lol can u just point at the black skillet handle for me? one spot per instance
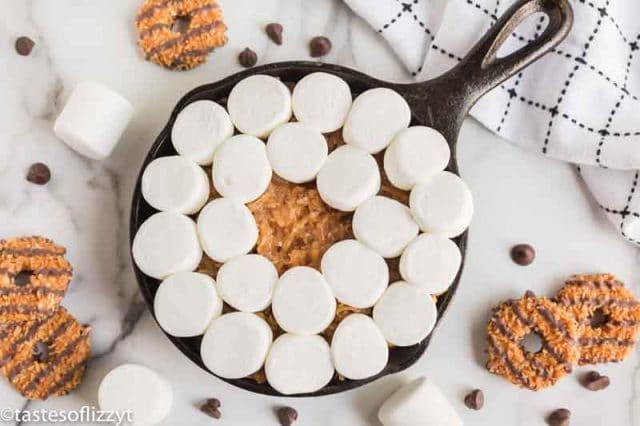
(483, 69)
(446, 100)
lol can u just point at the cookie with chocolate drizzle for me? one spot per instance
(45, 357)
(512, 321)
(34, 276)
(609, 315)
(180, 34)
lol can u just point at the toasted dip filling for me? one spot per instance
(296, 226)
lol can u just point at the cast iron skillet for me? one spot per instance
(441, 103)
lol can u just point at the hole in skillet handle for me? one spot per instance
(454, 96)
(530, 28)
(559, 16)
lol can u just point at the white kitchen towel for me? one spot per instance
(580, 103)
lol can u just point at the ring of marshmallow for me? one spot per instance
(166, 243)
(299, 364)
(226, 229)
(251, 337)
(354, 272)
(175, 183)
(303, 302)
(241, 169)
(357, 275)
(358, 348)
(384, 225)
(297, 151)
(199, 129)
(405, 314)
(186, 303)
(246, 282)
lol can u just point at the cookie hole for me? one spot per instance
(40, 351)
(181, 24)
(598, 319)
(23, 278)
(532, 342)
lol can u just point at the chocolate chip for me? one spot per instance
(211, 412)
(274, 31)
(595, 381)
(39, 173)
(523, 254)
(529, 294)
(474, 400)
(559, 417)
(287, 415)
(40, 351)
(319, 46)
(24, 46)
(247, 58)
(22, 278)
(211, 408)
(214, 402)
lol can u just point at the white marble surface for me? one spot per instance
(520, 197)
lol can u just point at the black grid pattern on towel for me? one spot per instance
(606, 131)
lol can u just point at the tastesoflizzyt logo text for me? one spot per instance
(86, 414)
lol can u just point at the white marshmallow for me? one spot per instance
(431, 262)
(322, 100)
(236, 345)
(226, 229)
(258, 104)
(415, 154)
(419, 402)
(376, 116)
(299, 364)
(175, 184)
(405, 314)
(347, 178)
(303, 302)
(246, 282)
(358, 348)
(357, 275)
(199, 129)
(137, 389)
(93, 120)
(186, 303)
(241, 169)
(442, 205)
(384, 225)
(296, 152)
(166, 243)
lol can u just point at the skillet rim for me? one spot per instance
(140, 210)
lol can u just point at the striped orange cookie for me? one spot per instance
(45, 357)
(180, 34)
(512, 321)
(608, 313)
(34, 276)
